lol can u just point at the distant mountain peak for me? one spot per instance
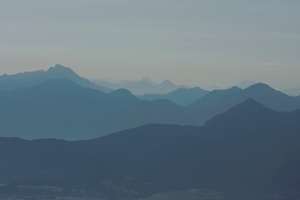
(248, 106)
(60, 69)
(259, 86)
(234, 88)
(59, 66)
(29, 79)
(167, 82)
(245, 111)
(249, 103)
(121, 91)
(148, 80)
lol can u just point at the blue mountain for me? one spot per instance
(248, 152)
(28, 79)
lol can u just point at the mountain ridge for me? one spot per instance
(252, 161)
(142, 87)
(29, 79)
(59, 108)
(180, 96)
(262, 93)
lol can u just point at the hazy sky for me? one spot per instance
(195, 42)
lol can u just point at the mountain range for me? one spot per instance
(60, 108)
(29, 79)
(180, 96)
(64, 137)
(219, 101)
(141, 87)
(248, 152)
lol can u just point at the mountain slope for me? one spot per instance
(180, 96)
(147, 112)
(262, 93)
(269, 97)
(28, 79)
(59, 108)
(212, 97)
(248, 152)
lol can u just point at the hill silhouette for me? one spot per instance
(248, 152)
(212, 97)
(204, 109)
(59, 108)
(147, 112)
(180, 96)
(28, 79)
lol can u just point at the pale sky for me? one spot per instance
(194, 42)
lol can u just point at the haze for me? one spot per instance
(190, 42)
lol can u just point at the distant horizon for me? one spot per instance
(196, 43)
(207, 87)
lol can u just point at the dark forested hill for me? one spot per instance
(248, 152)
